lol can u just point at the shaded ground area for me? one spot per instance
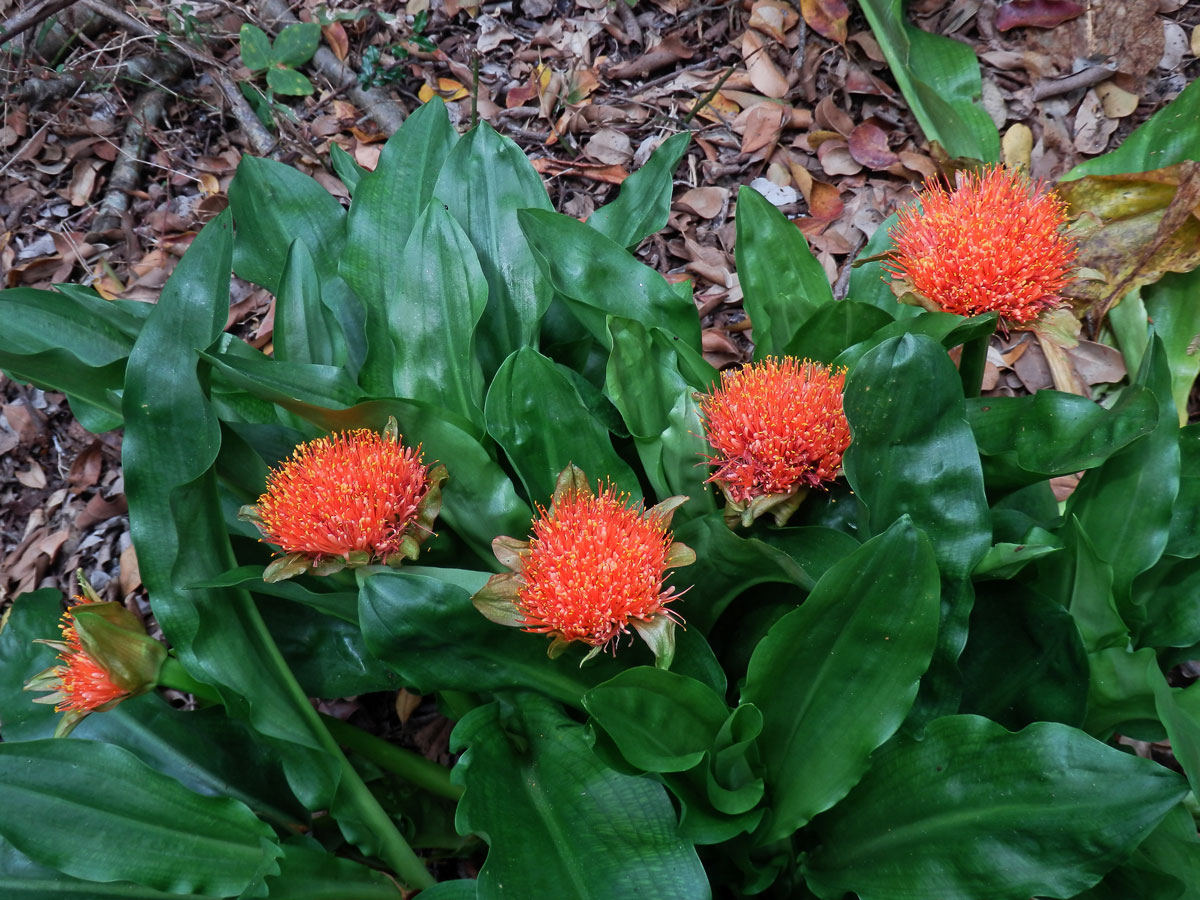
(122, 127)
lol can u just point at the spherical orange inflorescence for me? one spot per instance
(993, 244)
(776, 425)
(594, 565)
(353, 491)
(85, 685)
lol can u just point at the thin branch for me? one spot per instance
(23, 21)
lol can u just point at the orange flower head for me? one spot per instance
(348, 498)
(994, 243)
(594, 567)
(777, 426)
(85, 685)
(595, 564)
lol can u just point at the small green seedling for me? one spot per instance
(294, 46)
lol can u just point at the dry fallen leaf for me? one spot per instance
(1017, 146)
(610, 147)
(705, 202)
(764, 74)
(1035, 13)
(761, 126)
(868, 145)
(826, 17)
(33, 477)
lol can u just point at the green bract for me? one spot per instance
(913, 690)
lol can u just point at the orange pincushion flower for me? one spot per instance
(104, 656)
(594, 568)
(993, 244)
(347, 499)
(777, 426)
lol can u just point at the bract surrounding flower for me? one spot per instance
(594, 568)
(104, 657)
(778, 428)
(347, 500)
(993, 244)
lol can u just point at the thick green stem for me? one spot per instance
(971, 364)
(393, 848)
(412, 767)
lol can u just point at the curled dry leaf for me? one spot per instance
(835, 159)
(773, 18)
(761, 126)
(610, 147)
(826, 17)
(706, 202)
(1116, 103)
(828, 115)
(764, 74)
(868, 145)
(1035, 13)
(335, 36)
(1092, 127)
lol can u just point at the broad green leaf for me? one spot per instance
(726, 566)
(1184, 539)
(869, 280)
(171, 441)
(535, 413)
(255, 47)
(533, 784)
(460, 889)
(67, 804)
(302, 324)
(661, 721)
(431, 310)
(289, 82)
(1165, 866)
(1166, 138)
(659, 408)
(385, 207)
(912, 450)
(940, 80)
(833, 328)
(975, 811)
(1028, 439)
(1173, 304)
(296, 43)
(309, 872)
(485, 181)
(1125, 505)
(32, 615)
(782, 282)
(1180, 714)
(410, 620)
(273, 205)
(1024, 660)
(644, 202)
(1121, 694)
(1090, 601)
(866, 632)
(1168, 595)
(947, 328)
(284, 382)
(338, 604)
(348, 171)
(601, 277)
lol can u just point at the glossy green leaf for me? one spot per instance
(1179, 712)
(602, 278)
(460, 889)
(97, 812)
(535, 413)
(975, 811)
(339, 604)
(912, 450)
(273, 205)
(431, 309)
(1173, 305)
(1184, 537)
(1165, 866)
(833, 328)
(1090, 600)
(485, 181)
(866, 632)
(658, 407)
(618, 832)
(644, 202)
(348, 171)
(726, 566)
(32, 615)
(1121, 694)
(171, 441)
(1125, 505)
(1168, 593)
(285, 382)
(948, 329)
(940, 80)
(1024, 660)
(255, 47)
(1049, 433)
(302, 324)
(385, 207)
(410, 620)
(296, 43)
(782, 283)
(1166, 138)
(660, 720)
(289, 82)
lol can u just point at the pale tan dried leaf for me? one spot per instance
(1017, 146)
(705, 202)
(1115, 102)
(610, 147)
(1092, 127)
(760, 126)
(33, 477)
(764, 74)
